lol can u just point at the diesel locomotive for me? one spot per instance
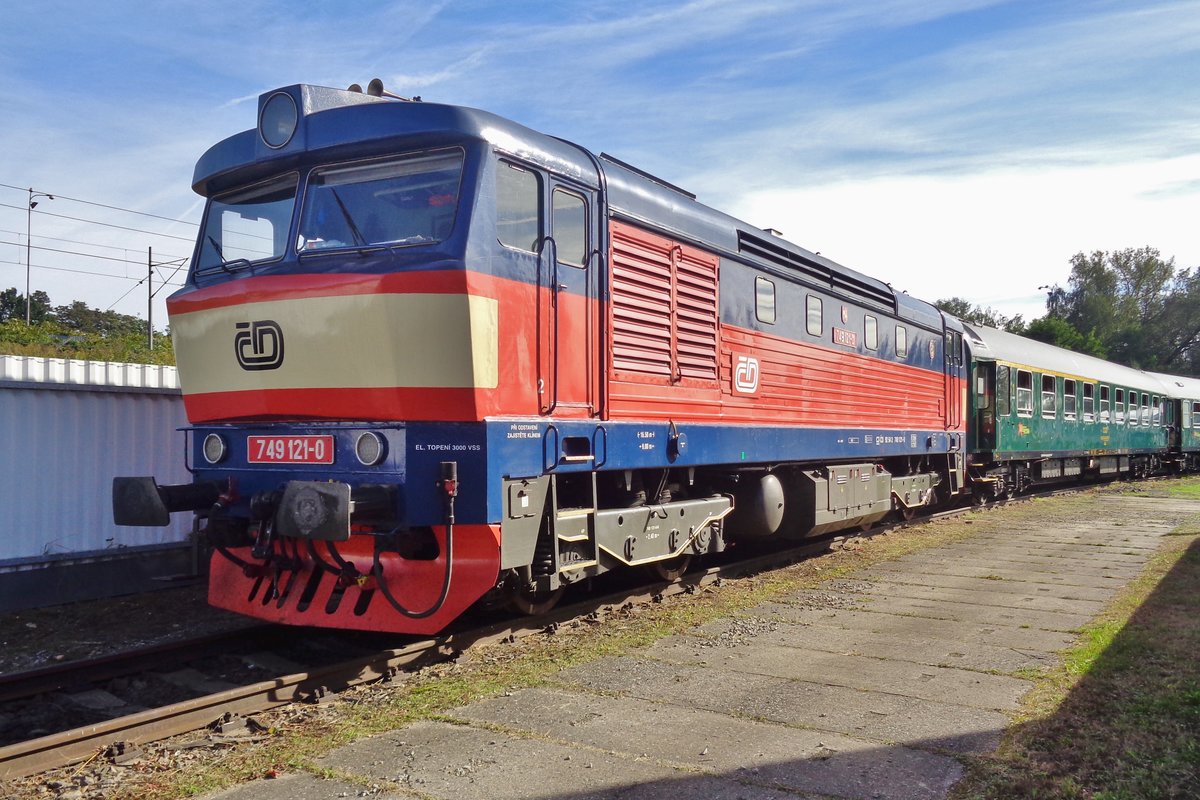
(431, 357)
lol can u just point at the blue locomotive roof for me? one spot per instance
(354, 125)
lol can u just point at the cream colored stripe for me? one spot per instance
(354, 341)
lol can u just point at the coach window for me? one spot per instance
(1070, 399)
(518, 207)
(871, 332)
(1089, 402)
(1049, 397)
(1157, 411)
(1024, 393)
(1119, 408)
(568, 221)
(1133, 408)
(1196, 415)
(1104, 409)
(813, 323)
(764, 300)
(1002, 391)
(1145, 409)
(901, 341)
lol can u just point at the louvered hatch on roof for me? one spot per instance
(664, 309)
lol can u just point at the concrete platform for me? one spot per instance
(868, 688)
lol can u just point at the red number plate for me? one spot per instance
(289, 449)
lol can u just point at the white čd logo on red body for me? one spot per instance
(745, 375)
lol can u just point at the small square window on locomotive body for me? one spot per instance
(901, 341)
(764, 300)
(871, 332)
(812, 316)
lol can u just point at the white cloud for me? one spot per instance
(991, 237)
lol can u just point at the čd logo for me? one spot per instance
(259, 345)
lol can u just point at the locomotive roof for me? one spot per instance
(992, 344)
(375, 124)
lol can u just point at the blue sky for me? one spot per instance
(945, 146)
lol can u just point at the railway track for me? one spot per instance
(314, 678)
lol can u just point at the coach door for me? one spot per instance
(569, 349)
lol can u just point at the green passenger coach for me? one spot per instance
(1184, 401)
(1044, 414)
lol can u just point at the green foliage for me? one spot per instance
(964, 310)
(1056, 331)
(77, 331)
(1130, 305)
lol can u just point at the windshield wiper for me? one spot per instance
(359, 239)
(230, 266)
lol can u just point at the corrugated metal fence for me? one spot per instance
(66, 428)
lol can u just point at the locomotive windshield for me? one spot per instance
(398, 201)
(248, 225)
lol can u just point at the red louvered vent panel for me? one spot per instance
(664, 309)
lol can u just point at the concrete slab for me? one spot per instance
(1017, 551)
(300, 787)
(991, 582)
(942, 684)
(881, 622)
(1018, 561)
(918, 647)
(457, 762)
(755, 752)
(1053, 576)
(986, 594)
(972, 612)
(870, 715)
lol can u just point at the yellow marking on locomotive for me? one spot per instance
(354, 341)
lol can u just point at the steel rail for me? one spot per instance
(80, 744)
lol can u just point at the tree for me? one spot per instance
(1140, 309)
(12, 306)
(964, 310)
(1057, 331)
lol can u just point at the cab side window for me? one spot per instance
(518, 207)
(568, 221)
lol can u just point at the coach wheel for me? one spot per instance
(671, 569)
(532, 602)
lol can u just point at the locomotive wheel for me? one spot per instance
(672, 569)
(532, 602)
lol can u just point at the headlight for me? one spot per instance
(369, 448)
(278, 121)
(215, 449)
